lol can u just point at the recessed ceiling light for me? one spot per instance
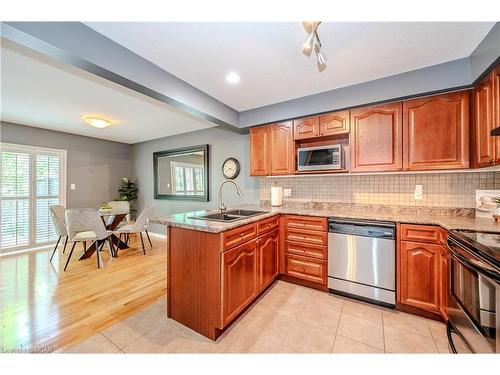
(233, 77)
(96, 122)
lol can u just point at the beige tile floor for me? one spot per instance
(286, 319)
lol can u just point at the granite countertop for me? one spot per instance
(448, 222)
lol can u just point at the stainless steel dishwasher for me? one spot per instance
(362, 260)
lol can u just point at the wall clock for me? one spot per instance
(231, 168)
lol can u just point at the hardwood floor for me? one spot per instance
(43, 306)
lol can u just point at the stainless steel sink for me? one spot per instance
(228, 216)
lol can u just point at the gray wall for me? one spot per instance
(223, 144)
(94, 165)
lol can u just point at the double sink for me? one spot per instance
(229, 216)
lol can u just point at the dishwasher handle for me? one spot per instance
(362, 229)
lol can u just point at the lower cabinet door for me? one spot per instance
(313, 270)
(419, 275)
(239, 276)
(268, 258)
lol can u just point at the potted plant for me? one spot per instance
(127, 191)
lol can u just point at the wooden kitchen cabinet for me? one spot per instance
(436, 132)
(268, 258)
(376, 138)
(303, 249)
(239, 274)
(307, 127)
(282, 153)
(419, 275)
(496, 109)
(306, 268)
(483, 144)
(238, 235)
(260, 149)
(305, 222)
(334, 123)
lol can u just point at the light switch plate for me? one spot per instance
(418, 192)
(72, 186)
(287, 193)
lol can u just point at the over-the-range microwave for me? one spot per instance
(320, 158)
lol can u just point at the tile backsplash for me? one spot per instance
(439, 189)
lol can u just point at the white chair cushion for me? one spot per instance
(127, 228)
(85, 236)
(88, 236)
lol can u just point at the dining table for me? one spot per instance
(111, 219)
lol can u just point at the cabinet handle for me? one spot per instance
(242, 234)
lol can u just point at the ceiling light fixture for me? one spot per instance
(313, 43)
(96, 122)
(233, 77)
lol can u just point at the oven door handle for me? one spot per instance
(476, 267)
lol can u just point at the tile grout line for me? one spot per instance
(107, 338)
(337, 329)
(383, 331)
(433, 338)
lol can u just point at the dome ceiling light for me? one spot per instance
(313, 43)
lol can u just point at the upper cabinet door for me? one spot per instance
(483, 144)
(260, 148)
(496, 109)
(282, 149)
(376, 138)
(307, 127)
(436, 132)
(334, 123)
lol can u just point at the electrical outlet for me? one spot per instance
(418, 195)
(72, 186)
(287, 193)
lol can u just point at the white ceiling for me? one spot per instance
(269, 60)
(41, 92)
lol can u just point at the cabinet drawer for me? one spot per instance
(313, 251)
(268, 225)
(306, 236)
(306, 222)
(423, 233)
(313, 270)
(239, 235)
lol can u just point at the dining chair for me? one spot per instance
(121, 206)
(139, 226)
(59, 223)
(85, 224)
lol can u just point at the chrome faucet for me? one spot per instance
(222, 206)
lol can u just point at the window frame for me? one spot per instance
(183, 165)
(33, 151)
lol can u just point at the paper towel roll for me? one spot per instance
(276, 195)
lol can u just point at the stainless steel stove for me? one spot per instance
(474, 291)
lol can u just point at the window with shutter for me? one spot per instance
(32, 180)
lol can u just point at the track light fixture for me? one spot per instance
(313, 43)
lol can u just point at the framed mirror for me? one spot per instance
(181, 173)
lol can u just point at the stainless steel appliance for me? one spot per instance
(320, 158)
(362, 260)
(474, 292)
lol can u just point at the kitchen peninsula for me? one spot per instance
(217, 269)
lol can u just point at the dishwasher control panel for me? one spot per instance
(362, 228)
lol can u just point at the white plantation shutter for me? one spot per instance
(31, 181)
(47, 194)
(15, 200)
